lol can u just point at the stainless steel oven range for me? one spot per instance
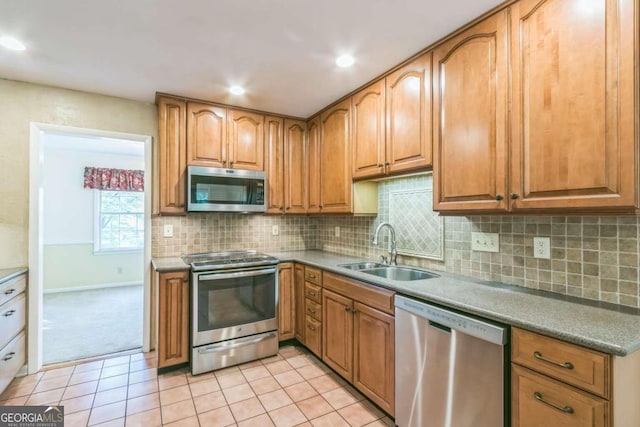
(234, 295)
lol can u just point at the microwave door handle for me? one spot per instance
(237, 274)
(225, 347)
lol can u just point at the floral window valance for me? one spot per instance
(113, 179)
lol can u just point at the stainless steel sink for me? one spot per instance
(400, 273)
(361, 265)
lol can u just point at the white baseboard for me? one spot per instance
(91, 287)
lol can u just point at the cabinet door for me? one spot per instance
(313, 161)
(408, 97)
(246, 142)
(172, 155)
(173, 318)
(206, 135)
(335, 160)
(470, 150)
(538, 401)
(286, 302)
(295, 177)
(300, 323)
(275, 164)
(573, 104)
(368, 137)
(374, 356)
(337, 334)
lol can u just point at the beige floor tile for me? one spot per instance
(84, 376)
(185, 422)
(106, 413)
(57, 372)
(144, 375)
(339, 398)
(287, 416)
(140, 389)
(291, 351)
(78, 419)
(140, 365)
(226, 371)
(310, 371)
(114, 361)
(279, 367)
(52, 396)
(299, 361)
(176, 394)
(110, 396)
(288, 378)
(300, 391)
(246, 409)
(238, 393)
(208, 402)
(265, 385)
(51, 384)
(113, 382)
(16, 401)
(250, 365)
(112, 371)
(89, 366)
(231, 379)
(382, 422)
(141, 356)
(260, 421)
(18, 390)
(199, 377)
(178, 411)
(165, 382)
(271, 359)
(204, 387)
(119, 422)
(217, 418)
(324, 383)
(77, 404)
(80, 390)
(332, 419)
(151, 418)
(358, 414)
(27, 379)
(143, 403)
(275, 399)
(314, 407)
(256, 373)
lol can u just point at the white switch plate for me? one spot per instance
(542, 247)
(168, 230)
(336, 232)
(275, 230)
(485, 242)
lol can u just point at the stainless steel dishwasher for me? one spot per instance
(450, 368)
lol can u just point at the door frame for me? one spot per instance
(35, 289)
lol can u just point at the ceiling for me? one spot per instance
(282, 51)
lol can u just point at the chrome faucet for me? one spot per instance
(394, 252)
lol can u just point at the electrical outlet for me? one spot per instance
(168, 230)
(542, 247)
(336, 232)
(275, 230)
(485, 242)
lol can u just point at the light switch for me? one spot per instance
(275, 230)
(485, 242)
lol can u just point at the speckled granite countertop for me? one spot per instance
(7, 274)
(605, 327)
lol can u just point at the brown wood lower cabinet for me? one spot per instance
(173, 318)
(286, 302)
(300, 321)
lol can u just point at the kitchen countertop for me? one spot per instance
(605, 327)
(7, 274)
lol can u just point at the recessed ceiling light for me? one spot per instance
(345, 61)
(11, 43)
(236, 90)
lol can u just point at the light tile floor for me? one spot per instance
(292, 388)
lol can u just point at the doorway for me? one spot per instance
(89, 244)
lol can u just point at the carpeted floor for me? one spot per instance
(84, 324)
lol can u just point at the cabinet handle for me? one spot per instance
(380, 165)
(321, 206)
(311, 311)
(313, 294)
(499, 197)
(313, 276)
(513, 196)
(224, 162)
(565, 409)
(10, 291)
(231, 163)
(9, 313)
(387, 163)
(313, 328)
(9, 356)
(185, 280)
(565, 365)
(347, 309)
(288, 207)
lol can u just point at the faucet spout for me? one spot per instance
(392, 234)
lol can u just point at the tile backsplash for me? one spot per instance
(594, 257)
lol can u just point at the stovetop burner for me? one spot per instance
(224, 260)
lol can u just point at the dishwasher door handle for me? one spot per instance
(439, 326)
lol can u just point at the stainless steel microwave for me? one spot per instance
(225, 190)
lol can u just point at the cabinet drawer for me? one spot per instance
(313, 292)
(578, 366)
(12, 318)
(313, 335)
(313, 309)
(313, 275)
(12, 358)
(379, 298)
(12, 288)
(540, 401)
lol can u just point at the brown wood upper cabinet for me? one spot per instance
(313, 165)
(172, 144)
(392, 122)
(246, 140)
(274, 142)
(335, 160)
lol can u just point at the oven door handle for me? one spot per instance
(237, 274)
(224, 346)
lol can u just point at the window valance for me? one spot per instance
(113, 179)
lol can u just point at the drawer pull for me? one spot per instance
(565, 365)
(9, 291)
(311, 311)
(9, 313)
(565, 409)
(313, 294)
(313, 328)
(9, 356)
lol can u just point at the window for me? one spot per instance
(119, 221)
